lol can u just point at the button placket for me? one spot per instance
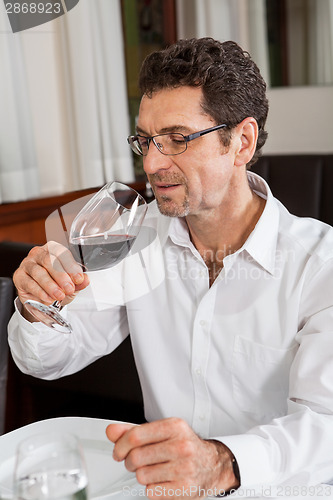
(200, 355)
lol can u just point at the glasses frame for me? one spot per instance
(187, 138)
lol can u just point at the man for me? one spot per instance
(231, 319)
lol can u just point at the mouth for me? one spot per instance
(164, 187)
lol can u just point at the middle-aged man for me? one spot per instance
(229, 308)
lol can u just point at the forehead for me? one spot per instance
(171, 107)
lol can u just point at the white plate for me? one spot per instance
(106, 476)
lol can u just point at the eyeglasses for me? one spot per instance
(171, 143)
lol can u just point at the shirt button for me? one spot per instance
(202, 417)
(203, 322)
(198, 371)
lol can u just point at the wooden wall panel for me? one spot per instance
(25, 221)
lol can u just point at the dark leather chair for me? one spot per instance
(303, 183)
(11, 255)
(6, 301)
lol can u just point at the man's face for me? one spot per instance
(197, 180)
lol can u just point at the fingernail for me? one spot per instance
(78, 278)
(69, 288)
(58, 294)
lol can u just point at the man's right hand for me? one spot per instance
(49, 273)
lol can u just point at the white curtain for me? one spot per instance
(18, 165)
(310, 42)
(64, 112)
(320, 41)
(243, 21)
(96, 97)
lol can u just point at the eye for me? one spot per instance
(143, 141)
(176, 138)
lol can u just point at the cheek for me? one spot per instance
(215, 182)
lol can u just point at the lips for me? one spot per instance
(164, 186)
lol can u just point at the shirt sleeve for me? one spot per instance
(297, 448)
(45, 353)
(294, 450)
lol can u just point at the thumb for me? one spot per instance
(78, 287)
(83, 284)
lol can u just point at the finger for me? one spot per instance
(28, 288)
(81, 286)
(153, 474)
(47, 271)
(36, 278)
(168, 451)
(62, 261)
(149, 433)
(69, 298)
(115, 431)
(167, 461)
(126, 439)
(34, 282)
(67, 272)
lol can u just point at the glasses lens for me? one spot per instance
(133, 141)
(170, 144)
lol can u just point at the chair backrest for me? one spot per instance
(303, 183)
(6, 304)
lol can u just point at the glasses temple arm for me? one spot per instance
(195, 135)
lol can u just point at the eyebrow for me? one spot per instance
(165, 130)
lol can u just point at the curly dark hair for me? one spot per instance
(232, 85)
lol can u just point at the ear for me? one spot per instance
(247, 134)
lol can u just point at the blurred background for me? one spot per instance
(68, 88)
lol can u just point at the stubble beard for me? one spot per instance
(166, 205)
(169, 208)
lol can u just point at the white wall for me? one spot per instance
(300, 120)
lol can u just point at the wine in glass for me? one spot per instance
(101, 235)
(50, 466)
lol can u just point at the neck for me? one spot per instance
(223, 231)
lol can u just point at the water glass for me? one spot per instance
(50, 467)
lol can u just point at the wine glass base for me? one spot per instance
(48, 315)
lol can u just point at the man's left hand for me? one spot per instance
(171, 460)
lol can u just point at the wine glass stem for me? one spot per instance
(56, 304)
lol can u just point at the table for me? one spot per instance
(108, 479)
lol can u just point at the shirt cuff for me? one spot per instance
(25, 340)
(254, 459)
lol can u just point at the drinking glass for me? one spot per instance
(101, 235)
(50, 467)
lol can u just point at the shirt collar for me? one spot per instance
(261, 244)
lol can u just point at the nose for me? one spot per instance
(155, 160)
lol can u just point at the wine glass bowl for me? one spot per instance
(104, 231)
(101, 235)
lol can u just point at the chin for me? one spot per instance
(171, 209)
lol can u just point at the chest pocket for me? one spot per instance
(260, 377)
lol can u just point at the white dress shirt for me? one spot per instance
(248, 360)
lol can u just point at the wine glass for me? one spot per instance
(101, 235)
(50, 466)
